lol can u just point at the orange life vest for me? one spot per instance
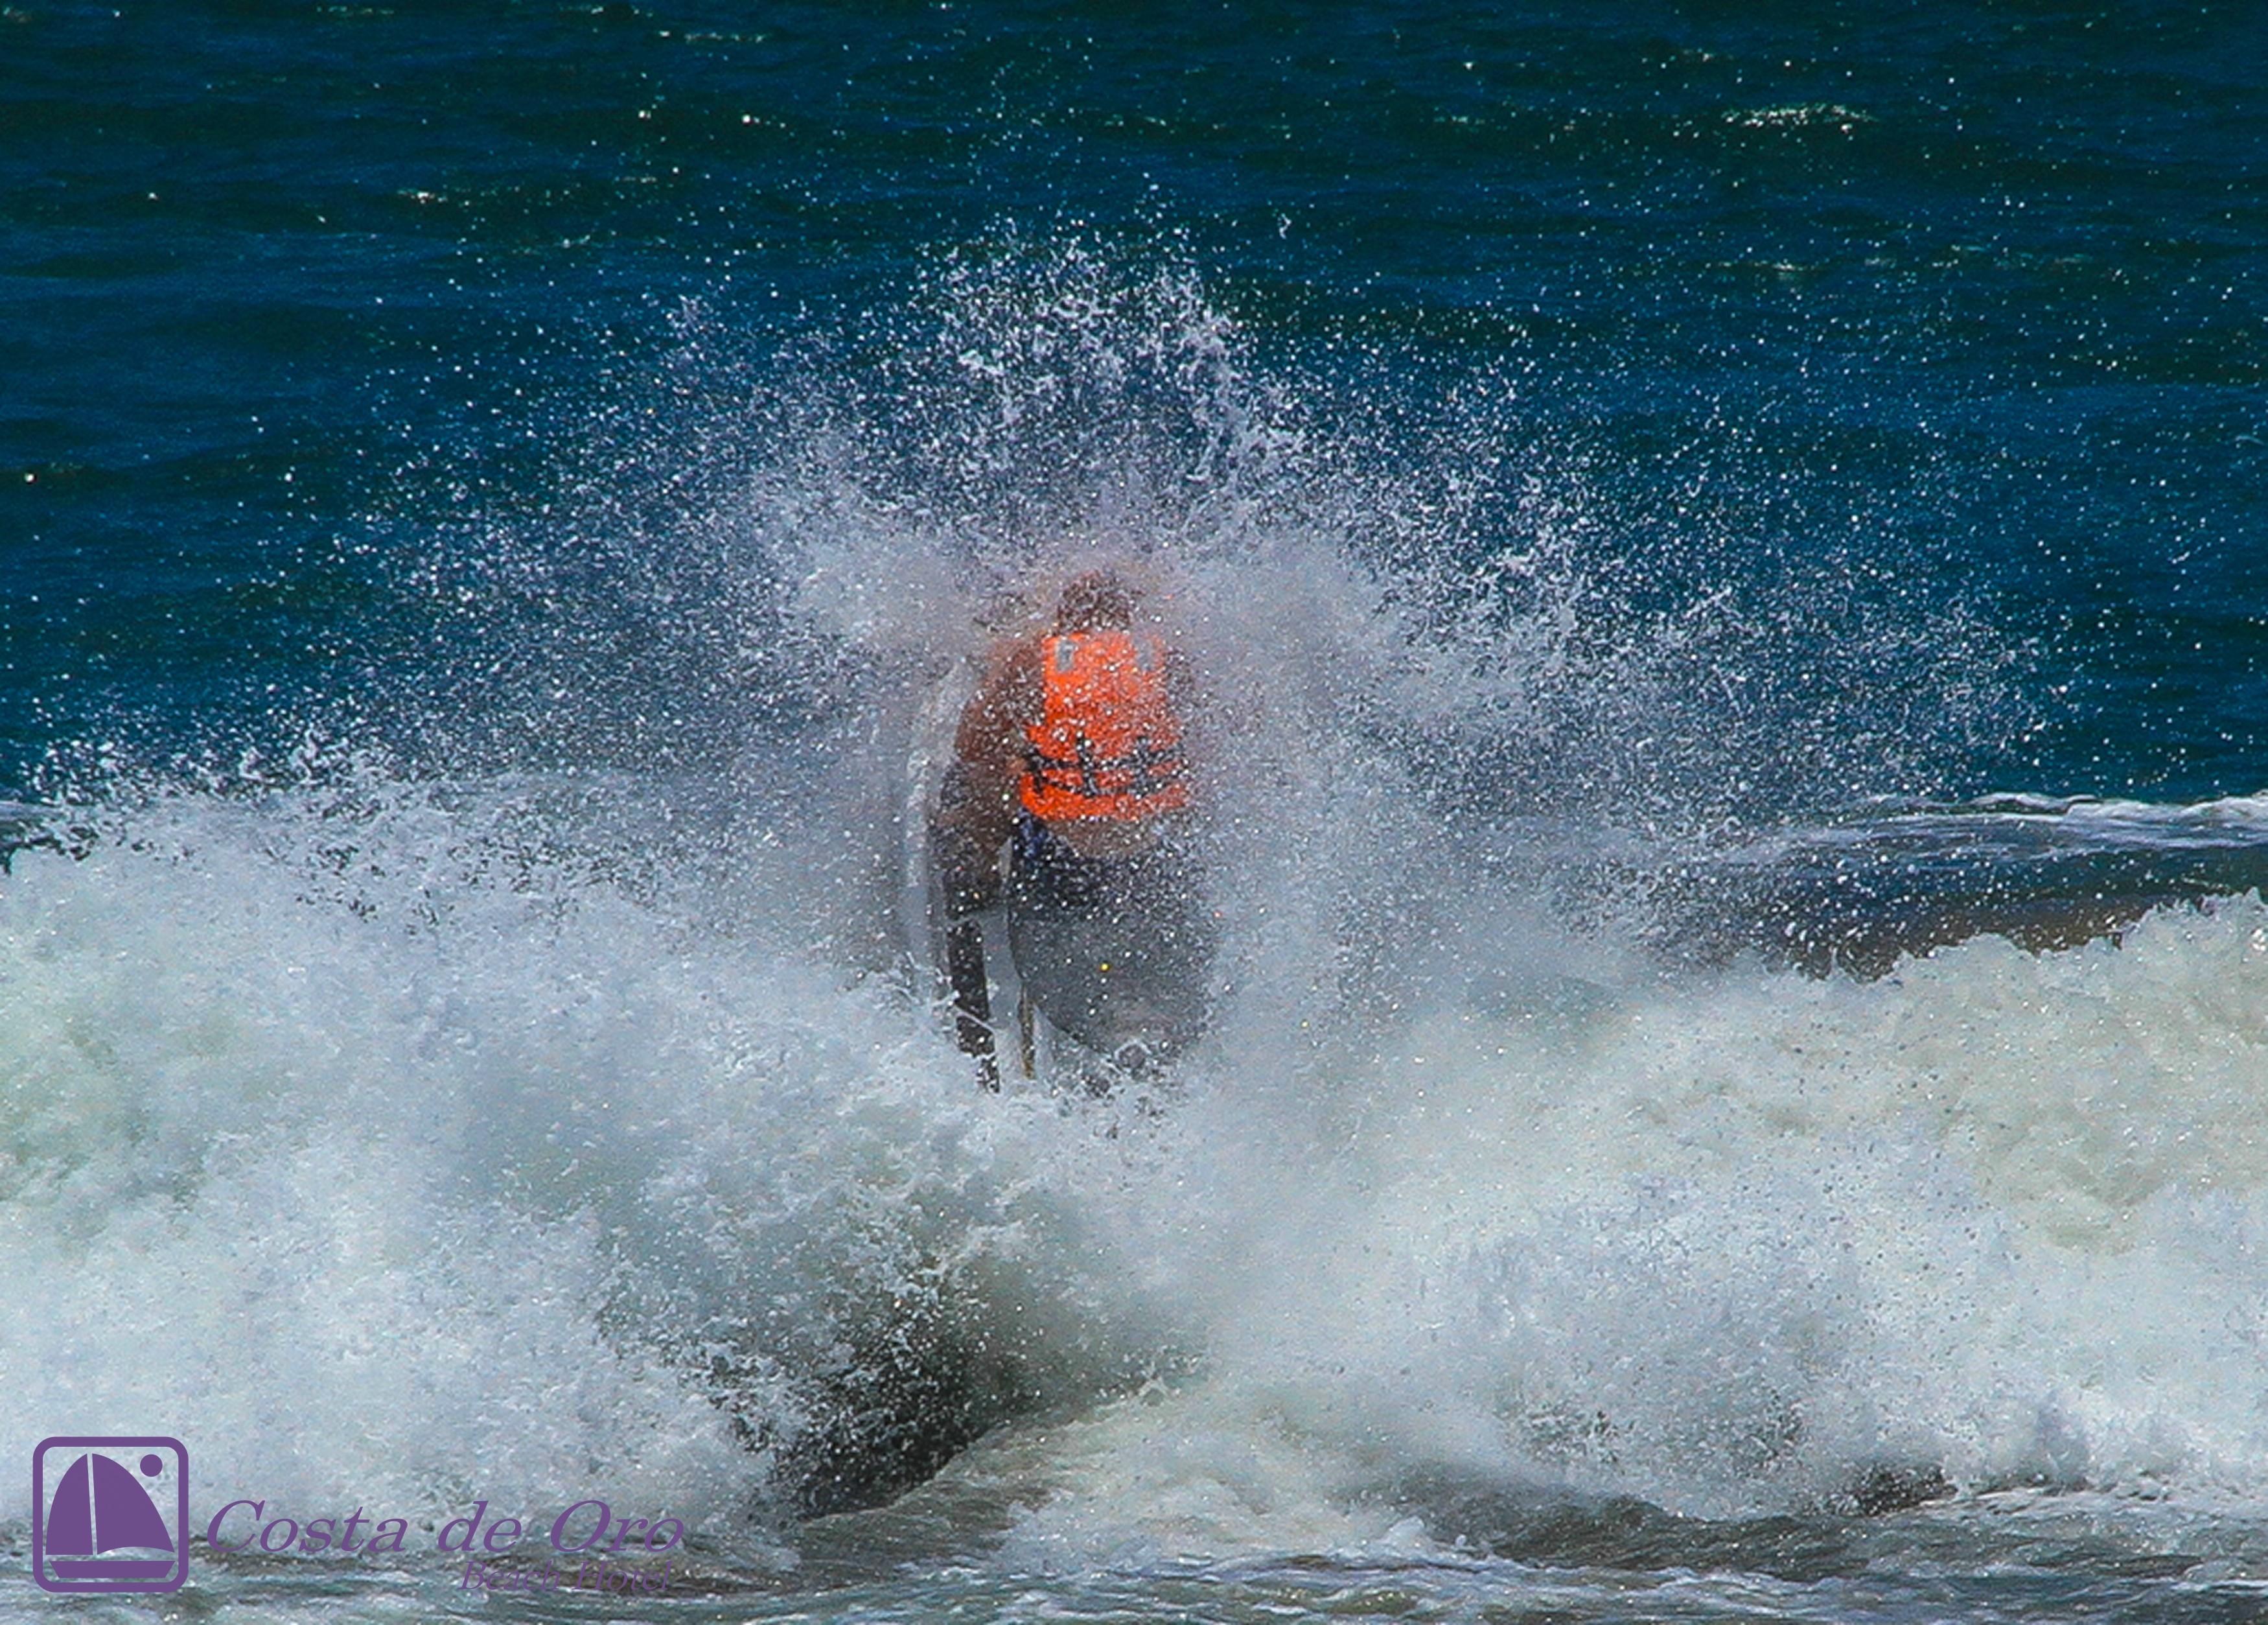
(1107, 744)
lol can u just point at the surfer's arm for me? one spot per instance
(976, 800)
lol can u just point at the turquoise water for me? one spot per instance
(1724, 545)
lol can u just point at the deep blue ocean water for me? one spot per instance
(1730, 542)
(1963, 310)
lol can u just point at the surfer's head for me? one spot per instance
(1100, 598)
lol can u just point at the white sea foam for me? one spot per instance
(383, 1181)
(393, 1204)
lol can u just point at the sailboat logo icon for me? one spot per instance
(101, 1510)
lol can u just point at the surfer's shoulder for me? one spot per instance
(1006, 693)
(1011, 672)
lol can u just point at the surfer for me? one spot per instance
(1069, 753)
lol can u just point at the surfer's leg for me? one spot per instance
(972, 997)
(964, 853)
(964, 843)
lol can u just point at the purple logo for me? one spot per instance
(110, 1514)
